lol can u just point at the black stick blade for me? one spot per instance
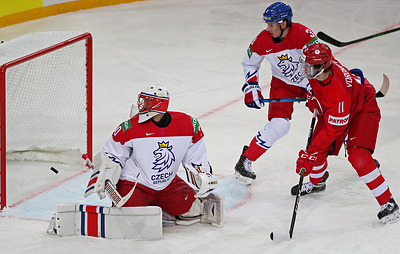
(323, 36)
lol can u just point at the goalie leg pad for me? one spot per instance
(213, 210)
(139, 223)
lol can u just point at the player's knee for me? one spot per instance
(278, 127)
(361, 160)
(195, 210)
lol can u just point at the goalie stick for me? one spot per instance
(323, 36)
(110, 190)
(284, 237)
(381, 93)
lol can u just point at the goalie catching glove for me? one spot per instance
(204, 181)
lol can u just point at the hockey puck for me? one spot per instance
(54, 170)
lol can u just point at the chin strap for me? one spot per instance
(279, 39)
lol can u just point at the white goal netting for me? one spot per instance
(46, 93)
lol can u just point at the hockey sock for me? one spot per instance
(254, 151)
(317, 173)
(364, 164)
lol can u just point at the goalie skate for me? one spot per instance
(309, 187)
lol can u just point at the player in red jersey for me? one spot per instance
(346, 106)
(152, 145)
(281, 44)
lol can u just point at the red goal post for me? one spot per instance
(45, 96)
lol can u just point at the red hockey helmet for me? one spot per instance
(315, 59)
(152, 101)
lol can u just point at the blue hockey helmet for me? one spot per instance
(277, 12)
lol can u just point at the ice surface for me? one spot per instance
(194, 48)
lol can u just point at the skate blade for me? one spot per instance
(245, 180)
(391, 218)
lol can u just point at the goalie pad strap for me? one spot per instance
(213, 210)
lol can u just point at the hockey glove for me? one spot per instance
(252, 95)
(313, 103)
(305, 161)
(204, 181)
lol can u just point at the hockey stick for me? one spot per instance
(323, 36)
(283, 100)
(284, 237)
(384, 88)
(381, 93)
(110, 190)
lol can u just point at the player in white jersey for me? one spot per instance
(154, 143)
(281, 44)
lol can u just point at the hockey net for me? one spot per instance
(45, 98)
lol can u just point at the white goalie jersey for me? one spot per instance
(156, 153)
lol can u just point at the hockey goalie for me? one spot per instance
(139, 163)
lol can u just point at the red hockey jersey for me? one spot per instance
(341, 97)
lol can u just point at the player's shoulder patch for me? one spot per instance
(196, 124)
(313, 41)
(126, 125)
(249, 51)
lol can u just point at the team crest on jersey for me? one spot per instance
(164, 157)
(288, 65)
(289, 68)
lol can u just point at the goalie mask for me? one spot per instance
(315, 59)
(152, 101)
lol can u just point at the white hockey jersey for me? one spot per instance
(157, 152)
(283, 56)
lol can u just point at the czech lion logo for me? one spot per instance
(287, 65)
(164, 157)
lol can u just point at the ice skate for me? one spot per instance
(389, 212)
(243, 169)
(309, 187)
